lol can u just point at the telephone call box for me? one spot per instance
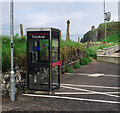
(43, 59)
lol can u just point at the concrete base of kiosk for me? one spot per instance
(41, 92)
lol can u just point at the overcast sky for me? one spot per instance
(55, 14)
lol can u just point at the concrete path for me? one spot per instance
(93, 87)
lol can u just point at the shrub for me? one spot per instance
(92, 53)
(76, 65)
(87, 53)
(5, 60)
(84, 60)
(90, 60)
(19, 52)
(5, 53)
(68, 69)
(67, 50)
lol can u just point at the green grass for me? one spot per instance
(65, 50)
(76, 65)
(70, 48)
(113, 38)
(92, 51)
(108, 24)
(70, 44)
(5, 53)
(20, 51)
(85, 60)
(68, 69)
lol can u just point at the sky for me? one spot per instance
(82, 16)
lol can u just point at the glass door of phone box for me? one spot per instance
(43, 59)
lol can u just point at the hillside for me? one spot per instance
(69, 52)
(113, 32)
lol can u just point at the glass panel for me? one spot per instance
(54, 48)
(55, 76)
(33, 54)
(55, 36)
(39, 78)
(38, 50)
(44, 50)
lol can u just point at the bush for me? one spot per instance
(85, 61)
(19, 52)
(90, 60)
(76, 65)
(87, 53)
(66, 50)
(5, 53)
(92, 53)
(5, 60)
(68, 69)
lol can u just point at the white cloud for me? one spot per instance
(81, 16)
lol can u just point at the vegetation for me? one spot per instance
(68, 69)
(70, 48)
(109, 24)
(66, 49)
(19, 52)
(76, 65)
(112, 38)
(91, 52)
(85, 61)
(113, 33)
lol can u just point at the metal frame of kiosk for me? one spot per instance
(43, 59)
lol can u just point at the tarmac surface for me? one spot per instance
(93, 87)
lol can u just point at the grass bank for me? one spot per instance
(68, 50)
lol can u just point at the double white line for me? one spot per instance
(68, 86)
(72, 98)
(90, 91)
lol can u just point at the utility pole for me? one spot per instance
(105, 27)
(12, 76)
(107, 17)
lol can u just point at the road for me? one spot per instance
(93, 87)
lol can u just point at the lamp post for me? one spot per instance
(107, 17)
(12, 76)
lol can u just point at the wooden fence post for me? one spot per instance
(21, 30)
(67, 34)
(78, 39)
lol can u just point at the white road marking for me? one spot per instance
(94, 92)
(82, 93)
(72, 98)
(96, 75)
(113, 92)
(93, 75)
(91, 86)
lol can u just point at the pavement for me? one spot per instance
(93, 87)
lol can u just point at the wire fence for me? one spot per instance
(6, 30)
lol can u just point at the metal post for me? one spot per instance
(12, 76)
(105, 37)
(105, 27)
